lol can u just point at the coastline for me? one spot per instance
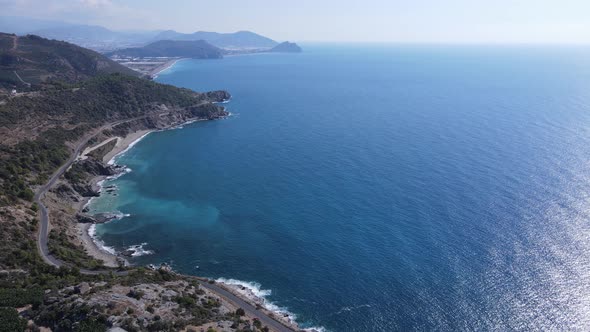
(253, 294)
(109, 259)
(96, 249)
(169, 64)
(85, 230)
(246, 291)
(125, 143)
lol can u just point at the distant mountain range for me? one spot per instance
(236, 40)
(104, 40)
(92, 34)
(172, 48)
(24, 25)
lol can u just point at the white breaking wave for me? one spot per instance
(116, 176)
(87, 204)
(247, 288)
(254, 292)
(315, 329)
(117, 215)
(120, 215)
(138, 250)
(112, 161)
(181, 126)
(99, 243)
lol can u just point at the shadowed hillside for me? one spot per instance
(32, 60)
(198, 49)
(240, 39)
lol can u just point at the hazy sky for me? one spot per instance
(566, 21)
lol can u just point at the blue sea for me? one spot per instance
(378, 187)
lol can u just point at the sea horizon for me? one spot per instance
(276, 167)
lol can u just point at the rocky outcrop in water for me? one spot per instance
(218, 96)
(85, 219)
(286, 47)
(102, 218)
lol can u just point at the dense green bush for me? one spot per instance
(102, 98)
(90, 104)
(17, 297)
(186, 301)
(10, 321)
(61, 246)
(136, 294)
(38, 60)
(27, 158)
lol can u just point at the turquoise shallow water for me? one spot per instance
(379, 187)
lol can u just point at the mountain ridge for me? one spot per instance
(198, 49)
(105, 40)
(33, 60)
(238, 39)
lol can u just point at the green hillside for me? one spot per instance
(198, 49)
(34, 60)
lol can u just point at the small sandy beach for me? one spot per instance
(154, 73)
(92, 249)
(82, 229)
(124, 143)
(121, 145)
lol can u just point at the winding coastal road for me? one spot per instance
(42, 241)
(248, 308)
(40, 194)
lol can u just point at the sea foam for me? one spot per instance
(139, 250)
(117, 215)
(254, 292)
(99, 243)
(112, 161)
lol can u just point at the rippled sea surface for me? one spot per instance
(379, 187)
